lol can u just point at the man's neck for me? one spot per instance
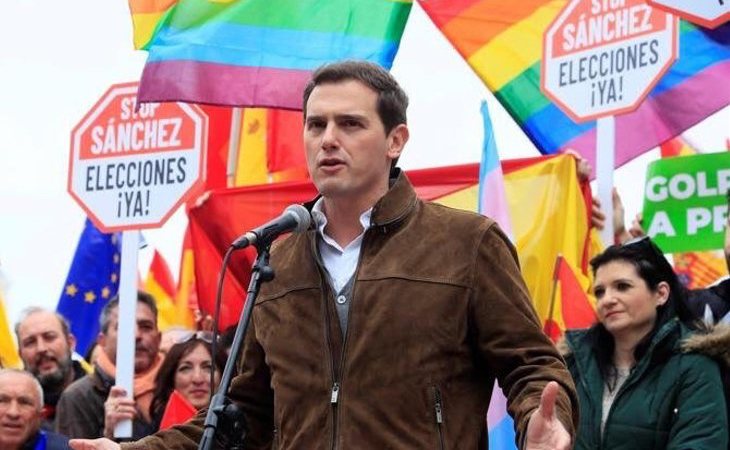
(343, 220)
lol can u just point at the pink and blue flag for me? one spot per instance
(492, 199)
(493, 203)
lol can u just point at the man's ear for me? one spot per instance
(71, 339)
(101, 339)
(397, 139)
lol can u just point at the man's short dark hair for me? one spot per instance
(392, 100)
(142, 297)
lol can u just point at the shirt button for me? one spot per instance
(341, 299)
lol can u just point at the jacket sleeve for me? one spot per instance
(510, 339)
(700, 415)
(77, 414)
(250, 389)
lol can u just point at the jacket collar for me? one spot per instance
(581, 350)
(397, 202)
(712, 341)
(395, 205)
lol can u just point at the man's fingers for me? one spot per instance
(117, 391)
(82, 444)
(547, 400)
(93, 444)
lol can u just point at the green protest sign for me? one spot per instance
(685, 202)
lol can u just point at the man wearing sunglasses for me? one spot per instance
(388, 321)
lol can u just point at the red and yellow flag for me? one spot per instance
(8, 351)
(161, 285)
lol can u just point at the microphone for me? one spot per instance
(295, 218)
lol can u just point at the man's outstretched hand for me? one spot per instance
(544, 430)
(93, 444)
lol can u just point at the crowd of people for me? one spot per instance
(58, 397)
(369, 337)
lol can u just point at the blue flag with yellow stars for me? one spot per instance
(92, 281)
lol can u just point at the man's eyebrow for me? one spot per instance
(351, 116)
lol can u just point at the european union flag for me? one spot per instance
(92, 281)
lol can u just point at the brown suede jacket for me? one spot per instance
(439, 311)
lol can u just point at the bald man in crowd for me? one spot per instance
(21, 407)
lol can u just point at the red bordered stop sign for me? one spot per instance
(131, 169)
(602, 57)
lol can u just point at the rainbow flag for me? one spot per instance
(261, 52)
(502, 41)
(677, 146)
(146, 14)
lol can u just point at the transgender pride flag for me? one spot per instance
(492, 199)
(493, 203)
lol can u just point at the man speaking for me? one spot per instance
(389, 319)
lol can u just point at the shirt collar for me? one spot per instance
(321, 220)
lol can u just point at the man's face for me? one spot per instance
(45, 349)
(146, 339)
(348, 153)
(20, 409)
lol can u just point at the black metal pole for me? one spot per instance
(220, 408)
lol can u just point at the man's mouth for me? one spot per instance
(12, 426)
(47, 362)
(331, 162)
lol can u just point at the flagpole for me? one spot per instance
(549, 323)
(127, 323)
(234, 141)
(605, 156)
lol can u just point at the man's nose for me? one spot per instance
(41, 345)
(329, 137)
(13, 410)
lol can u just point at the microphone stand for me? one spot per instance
(221, 408)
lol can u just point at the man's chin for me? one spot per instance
(141, 366)
(51, 379)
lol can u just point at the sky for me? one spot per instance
(58, 58)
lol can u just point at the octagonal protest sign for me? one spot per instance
(602, 57)
(131, 169)
(707, 13)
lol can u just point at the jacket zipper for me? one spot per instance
(337, 378)
(334, 398)
(439, 411)
(323, 286)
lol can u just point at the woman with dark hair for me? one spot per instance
(186, 369)
(638, 387)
